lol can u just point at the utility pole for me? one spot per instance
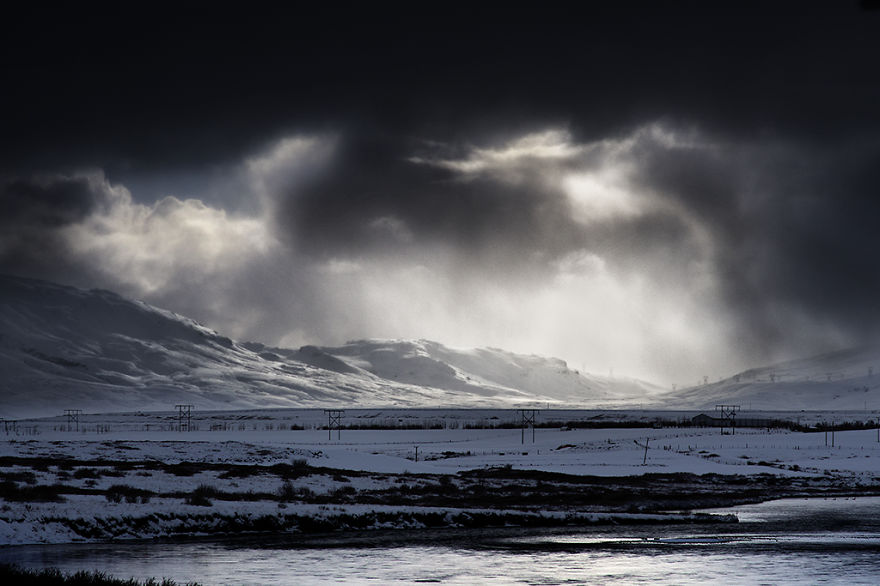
(728, 413)
(184, 417)
(527, 418)
(645, 458)
(73, 418)
(334, 419)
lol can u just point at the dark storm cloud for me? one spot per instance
(372, 186)
(154, 90)
(35, 210)
(760, 181)
(48, 202)
(793, 230)
(382, 196)
(819, 234)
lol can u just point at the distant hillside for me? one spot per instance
(62, 347)
(483, 372)
(843, 380)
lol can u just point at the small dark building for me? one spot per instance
(703, 420)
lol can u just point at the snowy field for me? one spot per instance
(137, 475)
(602, 452)
(447, 442)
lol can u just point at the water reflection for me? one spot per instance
(831, 541)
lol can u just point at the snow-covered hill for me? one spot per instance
(67, 348)
(429, 364)
(842, 380)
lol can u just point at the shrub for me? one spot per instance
(344, 491)
(297, 468)
(286, 492)
(201, 496)
(117, 492)
(239, 472)
(183, 469)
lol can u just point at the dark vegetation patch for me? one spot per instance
(10, 574)
(38, 493)
(487, 488)
(345, 492)
(296, 469)
(201, 496)
(446, 455)
(119, 445)
(26, 476)
(289, 493)
(181, 525)
(286, 492)
(239, 472)
(130, 494)
(184, 469)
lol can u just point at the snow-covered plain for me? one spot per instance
(144, 452)
(448, 441)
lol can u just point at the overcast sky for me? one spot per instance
(668, 192)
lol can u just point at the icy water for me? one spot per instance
(796, 541)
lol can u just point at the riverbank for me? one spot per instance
(789, 541)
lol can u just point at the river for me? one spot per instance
(792, 541)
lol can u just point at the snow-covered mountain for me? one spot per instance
(843, 380)
(67, 348)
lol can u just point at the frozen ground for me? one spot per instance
(135, 475)
(448, 442)
(602, 452)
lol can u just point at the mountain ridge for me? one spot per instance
(63, 347)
